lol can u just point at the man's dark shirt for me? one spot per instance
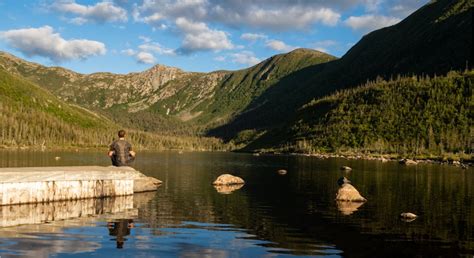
(121, 156)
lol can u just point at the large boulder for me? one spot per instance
(228, 179)
(347, 192)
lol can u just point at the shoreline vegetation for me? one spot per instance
(456, 159)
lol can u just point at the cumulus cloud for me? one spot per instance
(149, 46)
(279, 45)
(199, 37)
(276, 15)
(280, 19)
(101, 12)
(245, 57)
(45, 42)
(144, 54)
(154, 12)
(370, 22)
(145, 58)
(253, 36)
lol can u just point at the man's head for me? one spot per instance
(121, 133)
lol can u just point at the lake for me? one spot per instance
(271, 215)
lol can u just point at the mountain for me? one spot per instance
(32, 116)
(409, 115)
(433, 40)
(165, 99)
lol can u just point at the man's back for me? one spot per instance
(121, 155)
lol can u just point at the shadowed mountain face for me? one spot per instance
(243, 105)
(433, 40)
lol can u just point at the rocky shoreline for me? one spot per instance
(403, 161)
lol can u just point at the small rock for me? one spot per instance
(346, 168)
(282, 172)
(57, 158)
(347, 192)
(408, 162)
(408, 216)
(256, 154)
(383, 159)
(456, 163)
(228, 179)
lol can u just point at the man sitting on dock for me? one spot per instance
(120, 151)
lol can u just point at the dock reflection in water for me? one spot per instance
(44, 229)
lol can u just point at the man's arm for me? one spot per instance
(111, 150)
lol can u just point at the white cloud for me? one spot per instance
(153, 12)
(276, 15)
(44, 42)
(279, 45)
(253, 36)
(145, 58)
(372, 5)
(145, 51)
(101, 12)
(370, 22)
(156, 47)
(245, 57)
(283, 19)
(129, 52)
(199, 37)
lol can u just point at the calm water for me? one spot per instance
(271, 215)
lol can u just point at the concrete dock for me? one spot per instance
(46, 184)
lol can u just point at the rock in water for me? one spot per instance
(408, 162)
(347, 192)
(408, 215)
(346, 168)
(282, 172)
(228, 179)
(227, 189)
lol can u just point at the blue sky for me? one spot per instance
(124, 36)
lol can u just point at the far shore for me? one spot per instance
(459, 160)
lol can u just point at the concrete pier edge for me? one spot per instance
(46, 184)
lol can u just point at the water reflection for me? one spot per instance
(227, 189)
(293, 214)
(120, 229)
(347, 208)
